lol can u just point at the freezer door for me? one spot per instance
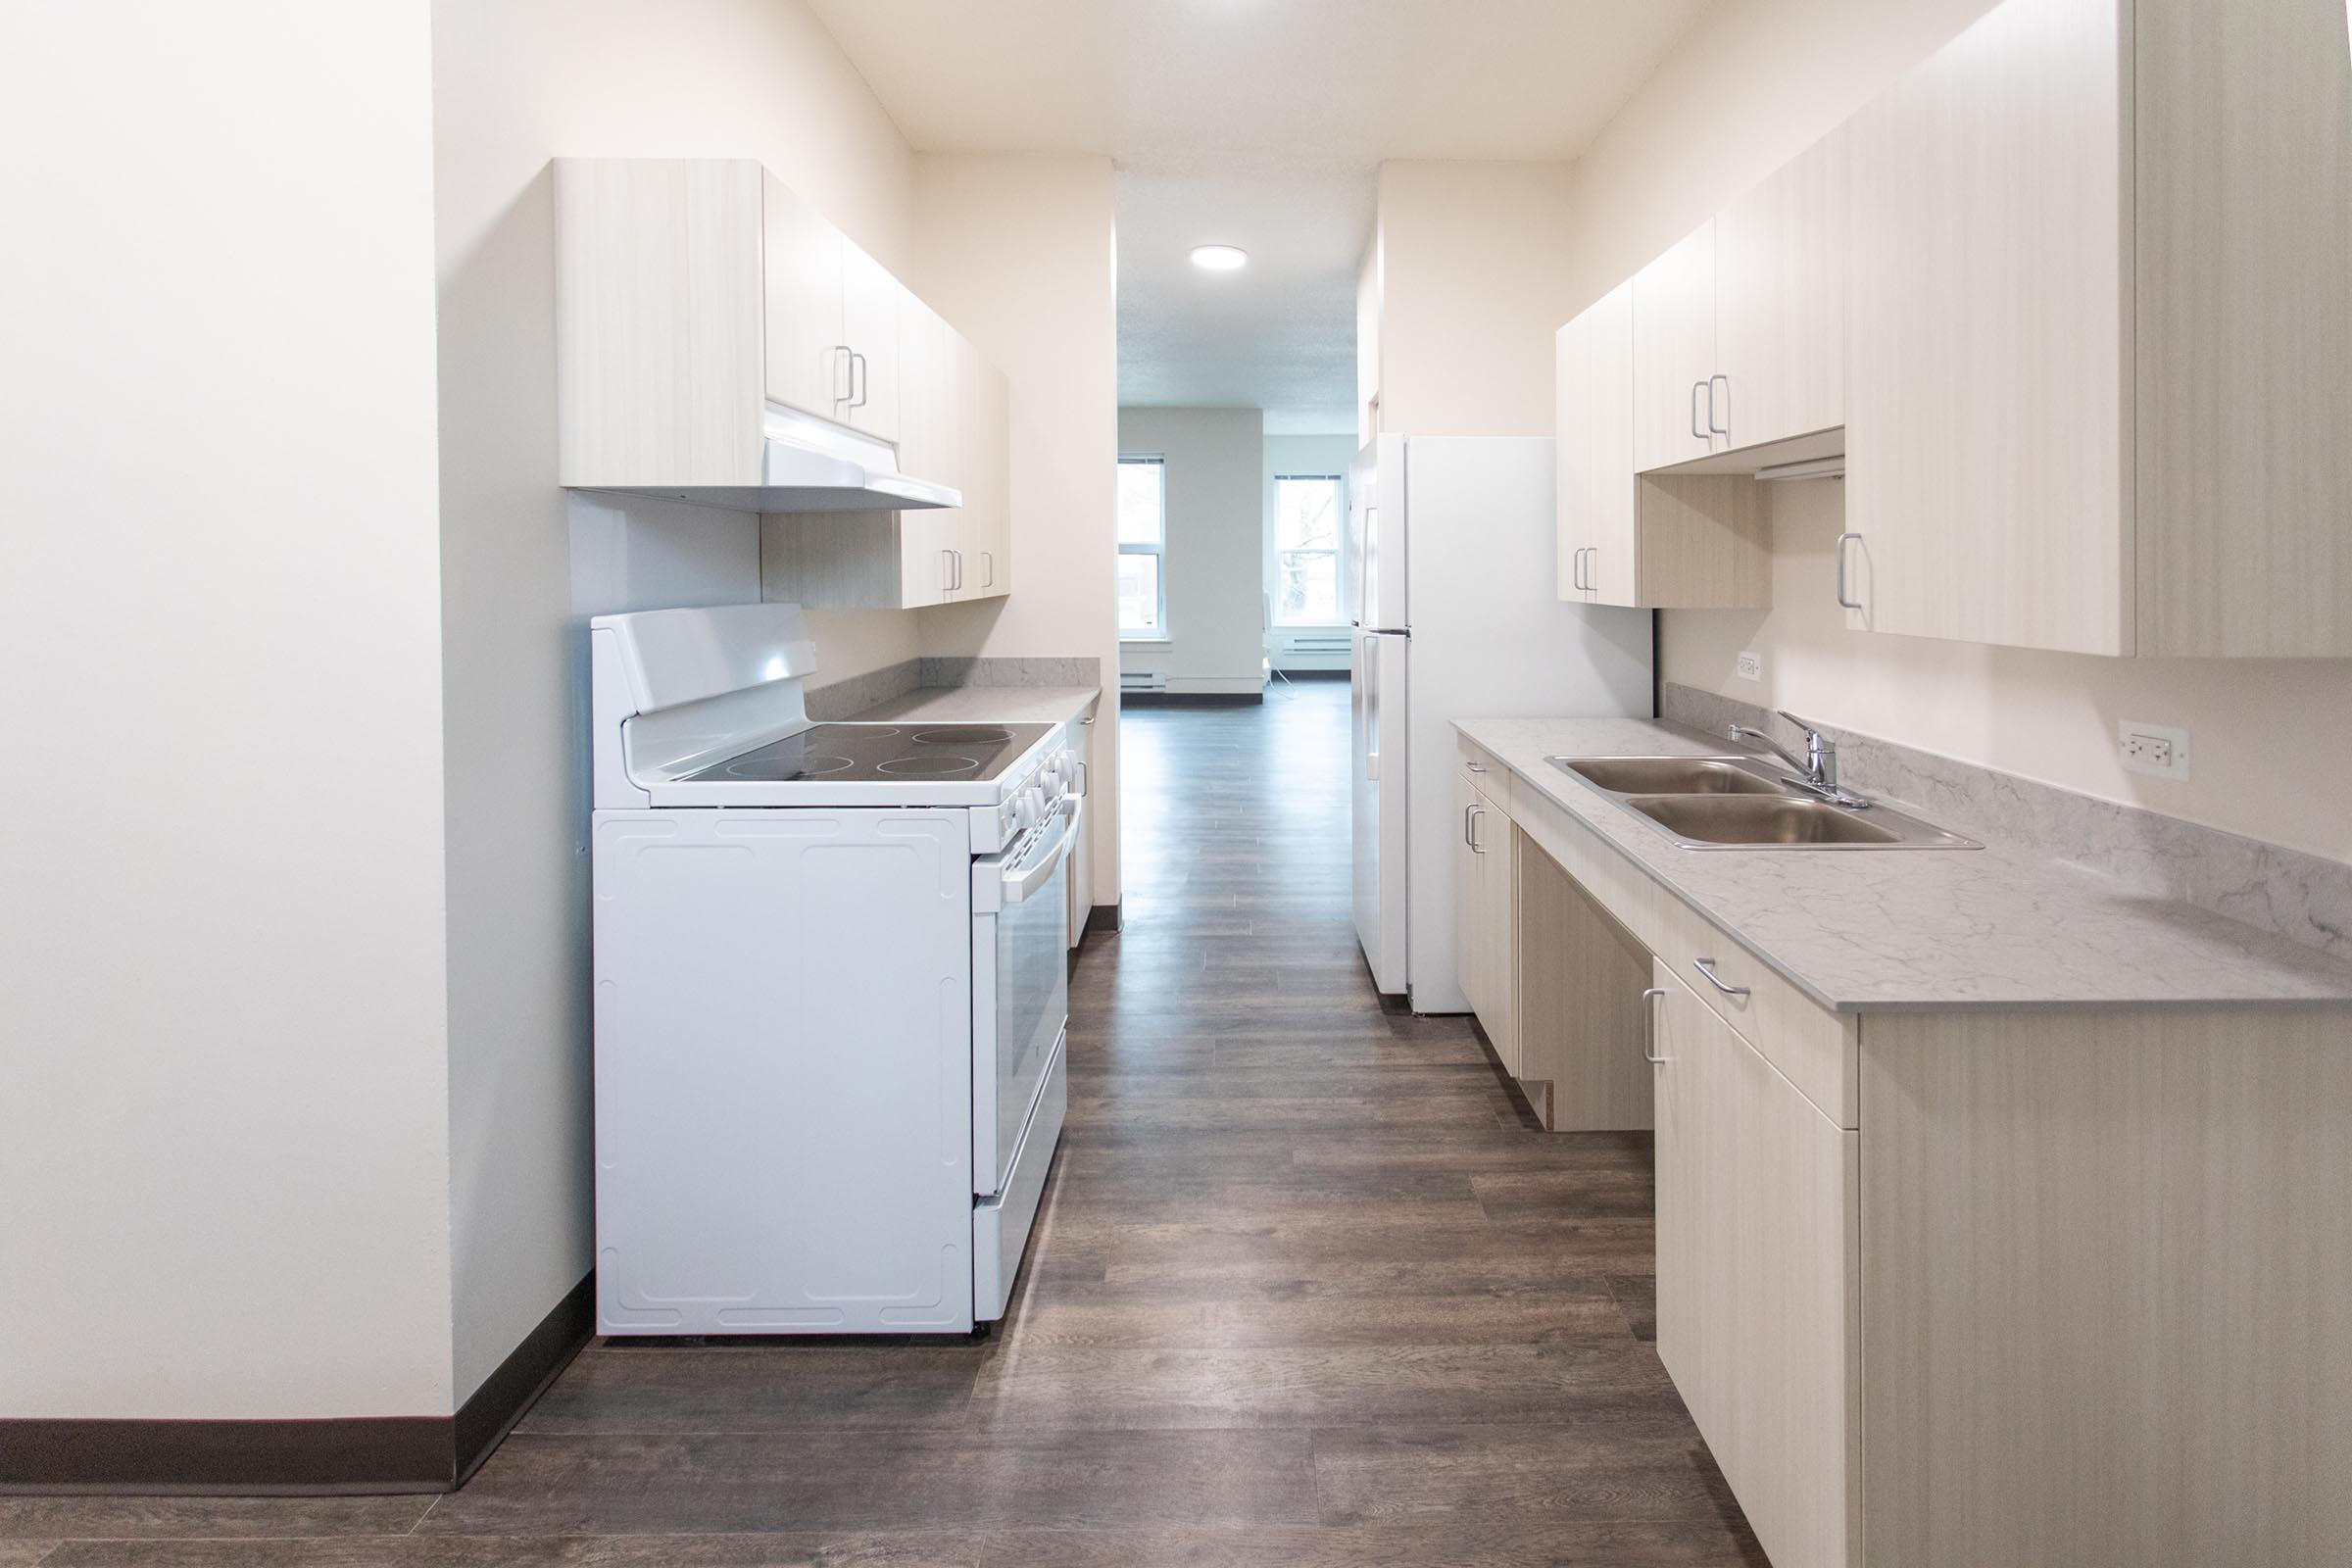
(1377, 801)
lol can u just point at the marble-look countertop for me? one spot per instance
(1921, 929)
(988, 704)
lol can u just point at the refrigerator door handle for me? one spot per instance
(1371, 708)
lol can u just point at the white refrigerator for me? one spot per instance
(1453, 584)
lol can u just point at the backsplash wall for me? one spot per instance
(2270, 740)
(2304, 898)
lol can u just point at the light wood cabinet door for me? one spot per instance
(1469, 898)
(870, 299)
(2242, 371)
(1498, 919)
(1613, 525)
(930, 447)
(988, 471)
(1484, 917)
(1757, 1279)
(808, 361)
(1779, 301)
(1572, 422)
(1674, 353)
(1985, 437)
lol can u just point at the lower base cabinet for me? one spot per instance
(1486, 917)
(1758, 1278)
(2083, 1274)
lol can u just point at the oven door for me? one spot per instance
(1020, 988)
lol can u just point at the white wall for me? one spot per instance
(517, 84)
(1304, 453)
(1018, 251)
(1215, 463)
(1465, 269)
(221, 1039)
(2271, 740)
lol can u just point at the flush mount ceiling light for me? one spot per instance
(1220, 258)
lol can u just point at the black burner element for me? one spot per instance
(963, 735)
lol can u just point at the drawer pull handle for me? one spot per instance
(1649, 1026)
(1706, 966)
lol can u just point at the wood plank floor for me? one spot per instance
(1309, 1288)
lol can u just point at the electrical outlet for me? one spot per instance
(1750, 665)
(2158, 749)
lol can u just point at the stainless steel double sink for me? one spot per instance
(1741, 802)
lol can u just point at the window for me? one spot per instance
(1143, 543)
(1306, 550)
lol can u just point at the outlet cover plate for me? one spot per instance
(1749, 665)
(2160, 751)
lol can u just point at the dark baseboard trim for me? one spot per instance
(483, 1421)
(1312, 674)
(1103, 917)
(347, 1455)
(1191, 699)
(334, 1456)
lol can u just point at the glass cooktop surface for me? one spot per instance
(880, 753)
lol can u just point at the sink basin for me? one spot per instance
(1672, 776)
(1743, 802)
(1747, 819)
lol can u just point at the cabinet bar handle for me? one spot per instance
(1706, 966)
(1845, 600)
(848, 371)
(1649, 1026)
(1725, 428)
(1698, 387)
(1476, 848)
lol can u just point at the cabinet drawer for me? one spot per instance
(1491, 778)
(1815, 1049)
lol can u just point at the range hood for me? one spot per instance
(810, 464)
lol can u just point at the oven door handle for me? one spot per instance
(1019, 884)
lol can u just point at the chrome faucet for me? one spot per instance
(1816, 770)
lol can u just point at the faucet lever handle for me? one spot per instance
(1798, 722)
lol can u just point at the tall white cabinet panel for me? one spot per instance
(1987, 437)
(1781, 301)
(1674, 354)
(809, 363)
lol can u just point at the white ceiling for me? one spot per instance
(1258, 124)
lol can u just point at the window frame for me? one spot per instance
(1276, 553)
(1160, 633)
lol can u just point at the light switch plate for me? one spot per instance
(2160, 751)
(1750, 665)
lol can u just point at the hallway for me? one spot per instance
(1310, 1289)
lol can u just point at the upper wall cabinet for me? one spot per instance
(1662, 541)
(1781, 303)
(1740, 328)
(2101, 336)
(698, 301)
(1675, 368)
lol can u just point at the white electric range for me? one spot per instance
(831, 992)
